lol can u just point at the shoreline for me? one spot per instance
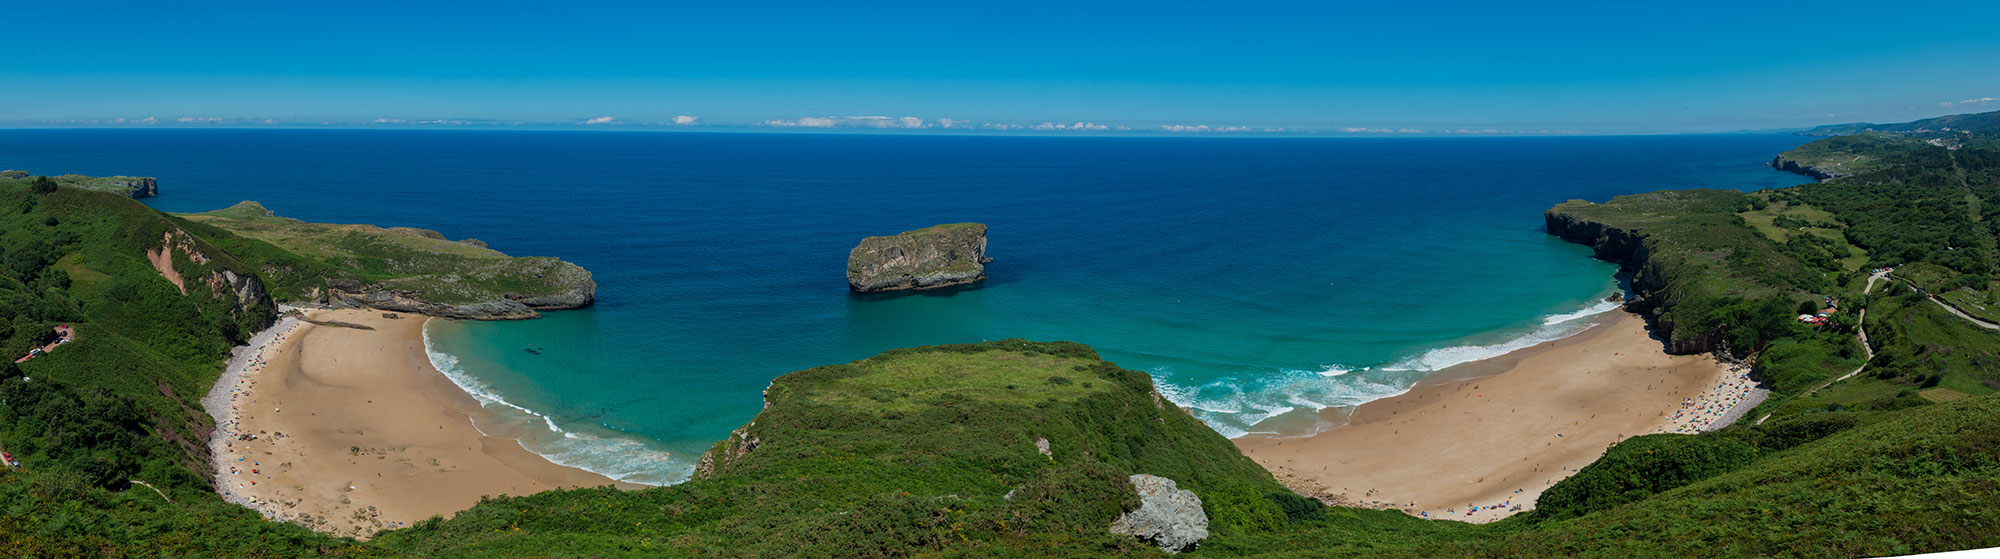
(220, 402)
(351, 430)
(1416, 453)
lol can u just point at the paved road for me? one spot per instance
(1953, 309)
(1948, 307)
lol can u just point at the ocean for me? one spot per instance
(1258, 280)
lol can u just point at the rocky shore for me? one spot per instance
(1783, 163)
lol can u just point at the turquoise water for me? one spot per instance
(1253, 278)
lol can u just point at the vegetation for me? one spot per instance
(934, 451)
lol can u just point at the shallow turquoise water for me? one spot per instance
(1248, 276)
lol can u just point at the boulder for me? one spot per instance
(928, 258)
(1167, 516)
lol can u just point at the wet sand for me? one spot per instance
(351, 431)
(1481, 449)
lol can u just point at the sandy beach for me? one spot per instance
(1472, 445)
(351, 430)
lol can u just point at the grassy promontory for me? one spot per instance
(409, 269)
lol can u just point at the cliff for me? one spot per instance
(406, 269)
(1652, 292)
(928, 258)
(1696, 263)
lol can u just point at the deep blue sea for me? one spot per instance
(1253, 278)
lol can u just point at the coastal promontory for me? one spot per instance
(928, 258)
(133, 187)
(406, 269)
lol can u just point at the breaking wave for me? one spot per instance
(615, 457)
(1238, 406)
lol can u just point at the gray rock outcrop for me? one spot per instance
(1167, 516)
(928, 258)
(1783, 163)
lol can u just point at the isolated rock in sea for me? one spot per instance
(1167, 516)
(928, 258)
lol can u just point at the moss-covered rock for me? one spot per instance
(928, 258)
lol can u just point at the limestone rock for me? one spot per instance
(1167, 516)
(928, 258)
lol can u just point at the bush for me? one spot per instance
(42, 185)
(1640, 467)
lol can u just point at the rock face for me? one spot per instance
(510, 307)
(1652, 283)
(1167, 516)
(244, 292)
(928, 258)
(137, 187)
(1785, 164)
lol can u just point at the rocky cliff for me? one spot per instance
(1783, 163)
(509, 306)
(928, 258)
(1652, 279)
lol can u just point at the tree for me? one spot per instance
(42, 185)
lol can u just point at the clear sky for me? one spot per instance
(1599, 66)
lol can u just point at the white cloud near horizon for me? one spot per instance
(906, 123)
(1979, 101)
(685, 120)
(1075, 126)
(600, 120)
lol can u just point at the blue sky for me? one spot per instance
(1321, 66)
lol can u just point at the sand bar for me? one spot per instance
(1496, 442)
(351, 431)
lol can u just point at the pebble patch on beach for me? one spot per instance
(1715, 407)
(240, 453)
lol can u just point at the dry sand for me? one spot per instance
(356, 432)
(1496, 442)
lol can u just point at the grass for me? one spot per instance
(1803, 219)
(1942, 395)
(1011, 377)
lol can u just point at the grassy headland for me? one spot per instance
(409, 269)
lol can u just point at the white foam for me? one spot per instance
(1234, 406)
(1593, 310)
(617, 458)
(1334, 371)
(1551, 330)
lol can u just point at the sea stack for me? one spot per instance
(928, 258)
